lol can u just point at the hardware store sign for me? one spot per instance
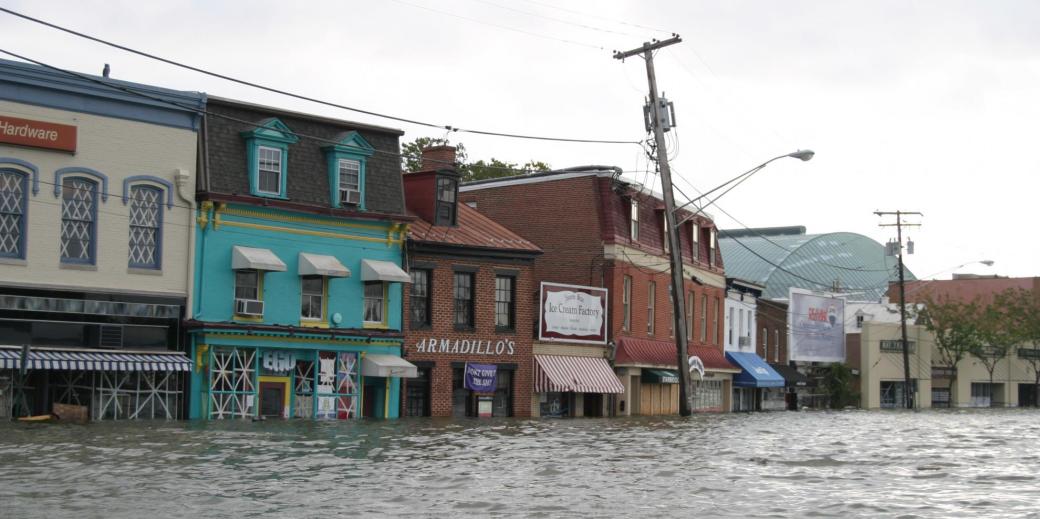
(37, 134)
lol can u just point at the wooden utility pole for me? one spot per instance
(675, 249)
(902, 295)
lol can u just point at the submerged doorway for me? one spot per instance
(274, 397)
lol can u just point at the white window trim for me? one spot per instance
(259, 170)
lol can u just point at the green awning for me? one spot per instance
(659, 376)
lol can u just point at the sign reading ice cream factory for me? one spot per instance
(37, 134)
(571, 313)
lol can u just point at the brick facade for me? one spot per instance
(442, 270)
(771, 316)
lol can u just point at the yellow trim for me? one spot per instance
(282, 380)
(324, 234)
(304, 323)
(259, 293)
(303, 339)
(203, 218)
(201, 351)
(216, 214)
(386, 400)
(303, 219)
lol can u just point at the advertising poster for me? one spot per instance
(816, 327)
(571, 313)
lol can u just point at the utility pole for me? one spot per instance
(675, 249)
(902, 293)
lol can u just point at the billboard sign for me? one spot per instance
(571, 313)
(816, 327)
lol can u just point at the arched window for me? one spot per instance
(13, 198)
(145, 227)
(78, 220)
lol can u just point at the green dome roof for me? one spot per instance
(855, 263)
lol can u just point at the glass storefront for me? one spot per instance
(465, 402)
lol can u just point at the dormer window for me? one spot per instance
(347, 161)
(711, 247)
(696, 241)
(664, 232)
(447, 189)
(634, 221)
(267, 150)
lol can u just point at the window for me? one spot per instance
(463, 295)
(859, 321)
(689, 314)
(765, 344)
(247, 285)
(633, 214)
(626, 303)
(78, 220)
(664, 232)
(505, 302)
(267, 157)
(704, 318)
(776, 353)
(12, 213)
(715, 323)
(349, 182)
(446, 188)
(420, 297)
(312, 298)
(776, 342)
(711, 247)
(269, 168)
(732, 323)
(695, 241)
(981, 394)
(375, 303)
(651, 295)
(893, 395)
(346, 162)
(145, 227)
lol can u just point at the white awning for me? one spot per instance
(319, 265)
(373, 270)
(259, 259)
(387, 366)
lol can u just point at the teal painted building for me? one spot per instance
(298, 282)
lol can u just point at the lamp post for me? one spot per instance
(675, 257)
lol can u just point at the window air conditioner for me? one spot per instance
(744, 342)
(249, 307)
(349, 196)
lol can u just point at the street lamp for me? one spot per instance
(802, 155)
(675, 259)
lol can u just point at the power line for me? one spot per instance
(254, 124)
(168, 61)
(558, 20)
(622, 22)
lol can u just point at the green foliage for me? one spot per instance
(998, 330)
(956, 328)
(837, 383)
(411, 155)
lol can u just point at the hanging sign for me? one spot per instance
(571, 313)
(480, 377)
(37, 134)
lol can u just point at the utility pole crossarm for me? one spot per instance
(647, 47)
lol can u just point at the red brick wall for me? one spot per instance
(484, 314)
(773, 317)
(641, 278)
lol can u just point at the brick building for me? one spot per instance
(599, 230)
(469, 306)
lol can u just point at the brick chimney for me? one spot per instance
(438, 157)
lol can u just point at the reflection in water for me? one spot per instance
(851, 463)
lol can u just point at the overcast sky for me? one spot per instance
(913, 105)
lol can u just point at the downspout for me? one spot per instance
(186, 190)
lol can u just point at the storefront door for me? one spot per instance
(417, 401)
(273, 398)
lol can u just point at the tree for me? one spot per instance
(837, 382)
(1024, 309)
(411, 160)
(998, 333)
(955, 325)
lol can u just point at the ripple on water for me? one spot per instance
(764, 464)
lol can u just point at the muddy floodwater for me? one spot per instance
(977, 463)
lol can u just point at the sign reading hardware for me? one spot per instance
(571, 313)
(37, 134)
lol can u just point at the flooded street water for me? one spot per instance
(851, 463)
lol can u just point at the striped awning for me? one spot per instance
(82, 360)
(554, 373)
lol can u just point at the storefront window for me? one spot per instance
(417, 399)
(232, 375)
(337, 388)
(708, 396)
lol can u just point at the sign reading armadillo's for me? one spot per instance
(571, 313)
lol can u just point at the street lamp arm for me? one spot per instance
(802, 155)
